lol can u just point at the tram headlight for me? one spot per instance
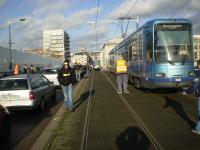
(160, 75)
(191, 74)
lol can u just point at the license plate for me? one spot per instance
(178, 80)
(9, 97)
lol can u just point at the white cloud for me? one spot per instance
(80, 17)
(89, 38)
(147, 9)
(49, 15)
(47, 7)
(195, 4)
(2, 2)
(34, 26)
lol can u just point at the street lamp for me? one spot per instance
(12, 21)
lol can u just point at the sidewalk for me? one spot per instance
(55, 125)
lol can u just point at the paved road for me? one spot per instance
(160, 119)
(28, 125)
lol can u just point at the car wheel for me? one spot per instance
(6, 128)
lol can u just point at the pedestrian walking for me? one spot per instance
(66, 78)
(77, 72)
(121, 71)
(32, 69)
(195, 87)
(26, 69)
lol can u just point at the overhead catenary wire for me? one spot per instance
(117, 28)
(126, 16)
(123, 34)
(134, 4)
(96, 20)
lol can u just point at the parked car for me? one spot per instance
(51, 73)
(96, 67)
(5, 123)
(26, 91)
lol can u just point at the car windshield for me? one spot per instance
(50, 71)
(173, 43)
(13, 84)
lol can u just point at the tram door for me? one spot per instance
(149, 52)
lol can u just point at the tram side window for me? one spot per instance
(149, 47)
(126, 53)
(134, 49)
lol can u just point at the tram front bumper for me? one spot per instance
(156, 85)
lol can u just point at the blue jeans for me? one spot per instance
(198, 111)
(122, 80)
(67, 92)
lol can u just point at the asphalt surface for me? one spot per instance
(141, 120)
(169, 115)
(28, 125)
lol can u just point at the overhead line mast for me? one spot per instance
(121, 20)
(96, 22)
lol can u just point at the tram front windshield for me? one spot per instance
(173, 43)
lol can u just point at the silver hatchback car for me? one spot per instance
(51, 74)
(26, 91)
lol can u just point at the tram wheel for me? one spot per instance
(130, 80)
(137, 83)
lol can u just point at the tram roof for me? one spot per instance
(152, 22)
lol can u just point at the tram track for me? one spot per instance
(175, 97)
(87, 117)
(95, 130)
(139, 120)
(148, 133)
(167, 113)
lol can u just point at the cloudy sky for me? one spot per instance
(73, 15)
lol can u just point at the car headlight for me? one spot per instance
(160, 75)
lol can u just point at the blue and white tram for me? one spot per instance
(159, 54)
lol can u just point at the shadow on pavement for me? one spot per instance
(82, 98)
(132, 138)
(178, 108)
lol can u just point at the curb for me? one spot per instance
(43, 139)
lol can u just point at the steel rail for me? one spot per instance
(87, 117)
(148, 133)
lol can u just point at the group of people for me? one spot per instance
(27, 69)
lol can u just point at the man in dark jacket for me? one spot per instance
(25, 71)
(66, 77)
(195, 87)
